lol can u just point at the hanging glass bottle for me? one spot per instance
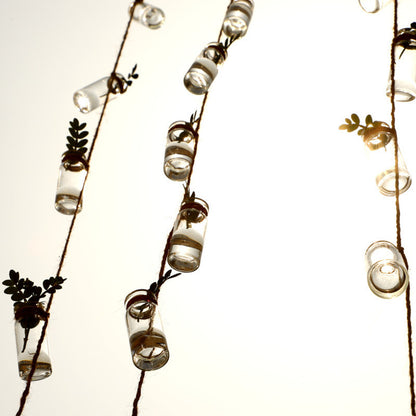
(188, 236)
(204, 70)
(405, 68)
(149, 349)
(238, 18)
(373, 6)
(93, 96)
(148, 15)
(179, 153)
(386, 271)
(380, 143)
(71, 179)
(29, 321)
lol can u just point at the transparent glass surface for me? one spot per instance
(373, 6)
(148, 344)
(70, 181)
(382, 162)
(237, 18)
(188, 237)
(200, 76)
(93, 96)
(179, 152)
(28, 331)
(405, 75)
(149, 16)
(380, 150)
(387, 274)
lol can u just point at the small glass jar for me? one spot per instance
(238, 18)
(93, 96)
(373, 6)
(179, 153)
(29, 321)
(149, 349)
(72, 173)
(405, 68)
(380, 143)
(203, 71)
(386, 271)
(148, 15)
(188, 236)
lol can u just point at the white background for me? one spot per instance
(279, 319)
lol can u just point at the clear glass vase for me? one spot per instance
(380, 145)
(71, 179)
(238, 18)
(148, 346)
(387, 274)
(179, 153)
(29, 321)
(188, 236)
(93, 95)
(405, 68)
(148, 15)
(373, 6)
(203, 71)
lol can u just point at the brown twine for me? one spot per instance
(398, 225)
(166, 251)
(139, 393)
(26, 391)
(198, 125)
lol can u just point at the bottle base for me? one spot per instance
(43, 370)
(67, 204)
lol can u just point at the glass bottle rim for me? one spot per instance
(185, 125)
(219, 47)
(406, 38)
(139, 295)
(371, 132)
(196, 203)
(74, 157)
(245, 1)
(22, 310)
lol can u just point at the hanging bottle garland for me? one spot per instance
(386, 263)
(31, 315)
(185, 242)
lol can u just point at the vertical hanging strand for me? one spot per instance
(398, 225)
(135, 411)
(26, 391)
(161, 273)
(201, 112)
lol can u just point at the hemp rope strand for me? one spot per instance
(397, 202)
(26, 391)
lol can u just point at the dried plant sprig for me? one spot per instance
(155, 286)
(132, 75)
(230, 40)
(77, 141)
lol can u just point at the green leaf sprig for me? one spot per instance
(25, 295)
(77, 141)
(354, 123)
(25, 292)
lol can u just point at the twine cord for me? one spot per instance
(397, 203)
(35, 358)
